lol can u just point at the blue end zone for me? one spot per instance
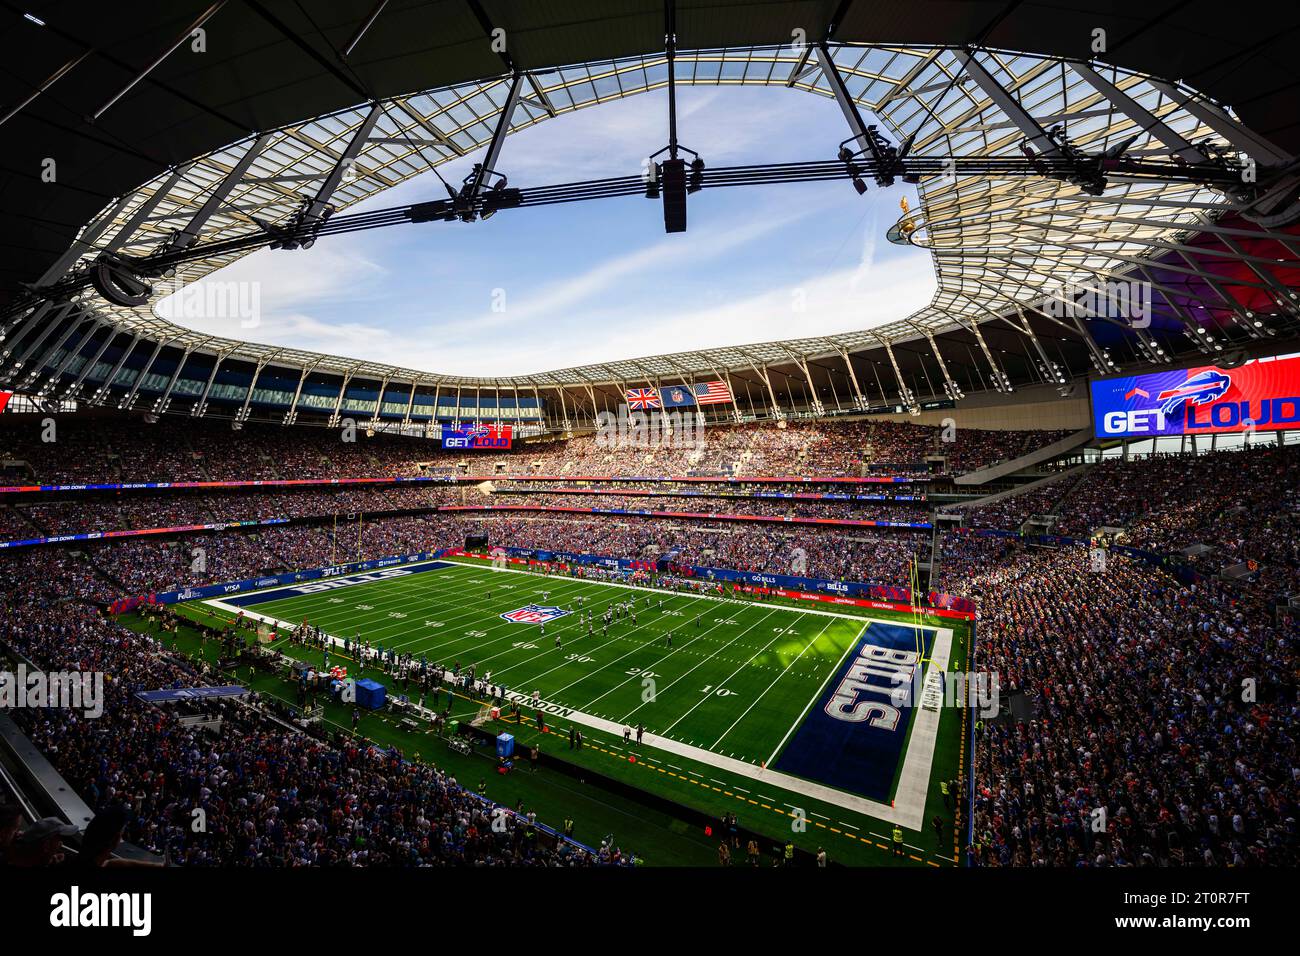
(321, 585)
(852, 738)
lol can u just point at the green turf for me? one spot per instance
(658, 838)
(736, 683)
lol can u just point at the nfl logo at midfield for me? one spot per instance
(534, 614)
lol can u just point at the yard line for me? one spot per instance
(817, 637)
(508, 631)
(702, 663)
(613, 640)
(834, 670)
(628, 680)
(439, 604)
(420, 606)
(365, 624)
(384, 590)
(703, 597)
(396, 590)
(723, 682)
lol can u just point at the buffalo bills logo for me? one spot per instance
(534, 614)
(1200, 389)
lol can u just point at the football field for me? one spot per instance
(770, 692)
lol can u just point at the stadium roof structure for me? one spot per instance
(294, 113)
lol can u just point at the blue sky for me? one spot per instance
(598, 281)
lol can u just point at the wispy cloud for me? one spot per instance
(598, 282)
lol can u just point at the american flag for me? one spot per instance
(642, 398)
(712, 393)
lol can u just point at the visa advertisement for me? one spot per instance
(480, 437)
(1259, 396)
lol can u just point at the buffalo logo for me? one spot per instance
(1200, 389)
(534, 614)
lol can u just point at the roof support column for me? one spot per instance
(343, 168)
(859, 401)
(1139, 114)
(818, 408)
(94, 325)
(109, 379)
(36, 315)
(488, 167)
(564, 410)
(336, 418)
(190, 233)
(776, 411)
(242, 416)
(952, 388)
(165, 399)
(905, 394)
(433, 414)
(291, 416)
(379, 403)
(75, 388)
(146, 208)
(410, 406)
(1249, 142)
(37, 341)
(201, 406)
(83, 244)
(537, 397)
(1008, 104)
(848, 106)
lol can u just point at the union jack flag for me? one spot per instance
(639, 399)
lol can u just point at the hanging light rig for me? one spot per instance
(127, 280)
(668, 179)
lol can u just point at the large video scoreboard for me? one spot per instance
(1258, 396)
(479, 437)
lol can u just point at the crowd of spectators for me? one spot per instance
(1211, 511)
(137, 510)
(1011, 512)
(1162, 723)
(1164, 710)
(970, 449)
(860, 555)
(129, 449)
(737, 505)
(270, 795)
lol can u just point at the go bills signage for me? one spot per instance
(1259, 396)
